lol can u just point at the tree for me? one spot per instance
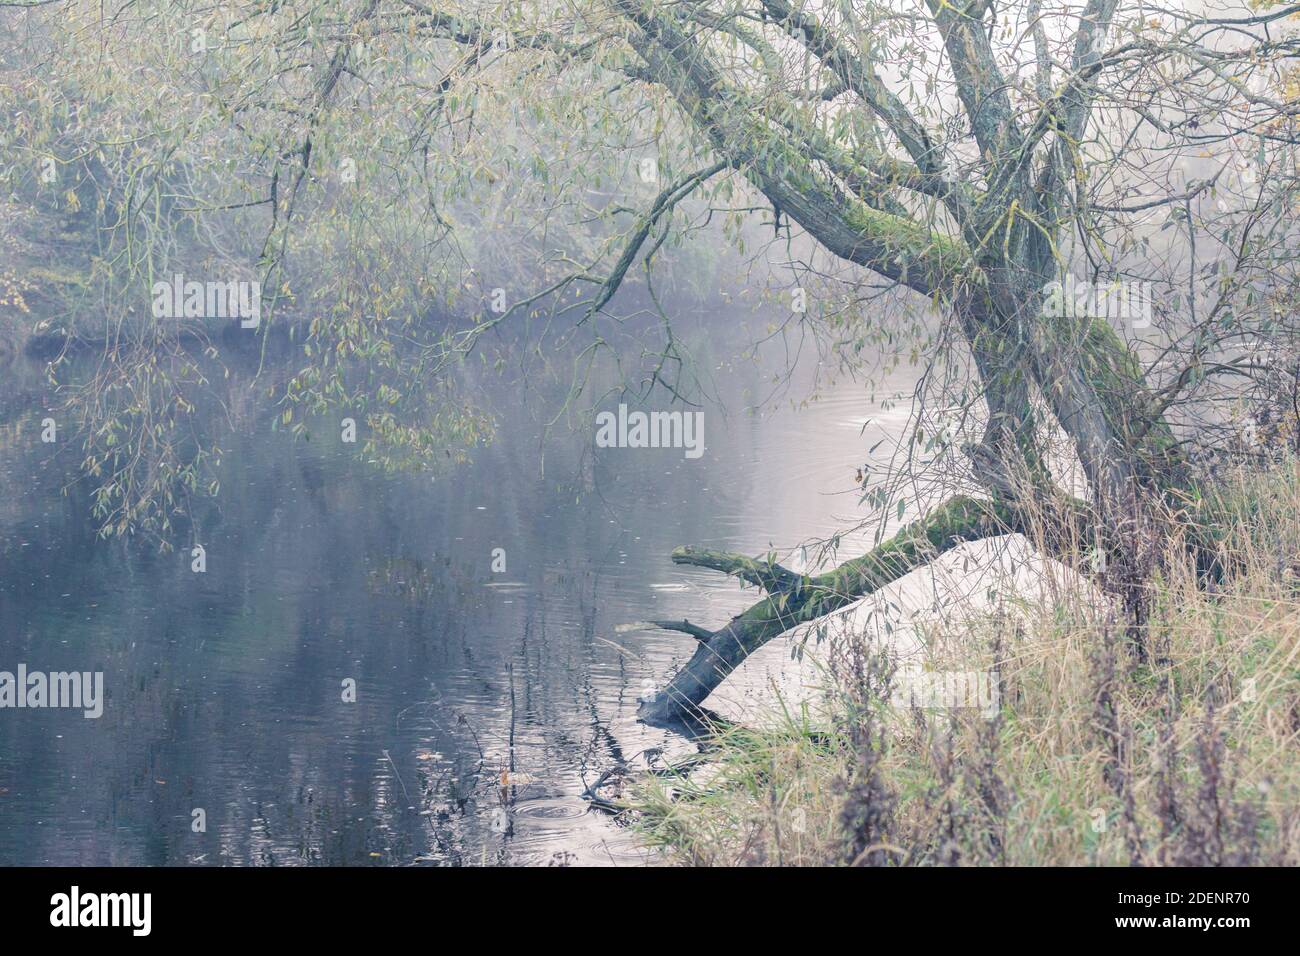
(964, 154)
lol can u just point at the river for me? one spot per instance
(485, 700)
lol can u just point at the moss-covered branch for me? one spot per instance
(957, 521)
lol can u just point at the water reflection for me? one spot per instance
(486, 702)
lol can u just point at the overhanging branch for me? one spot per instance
(959, 520)
(768, 575)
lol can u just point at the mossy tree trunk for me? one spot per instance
(991, 275)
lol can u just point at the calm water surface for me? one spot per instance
(486, 702)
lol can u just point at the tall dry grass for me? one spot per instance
(1187, 752)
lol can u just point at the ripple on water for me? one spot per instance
(550, 808)
(559, 830)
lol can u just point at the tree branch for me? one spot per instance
(959, 520)
(768, 575)
(701, 634)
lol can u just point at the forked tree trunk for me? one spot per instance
(1081, 370)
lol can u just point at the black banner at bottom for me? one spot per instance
(341, 905)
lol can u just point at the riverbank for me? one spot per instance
(1178, 749)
